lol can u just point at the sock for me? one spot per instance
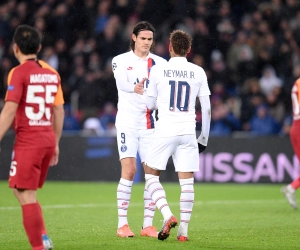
(186, 204)
(296, 183)
(33, 224)
(123, 198)
(158, 195)
(149, 209)
(44, 231)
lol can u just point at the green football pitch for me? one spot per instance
(83, 216)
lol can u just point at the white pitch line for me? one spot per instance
(109, 205)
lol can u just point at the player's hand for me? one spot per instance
(54, 159)
(201, 148)
(139, 87)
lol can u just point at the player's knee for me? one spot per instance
(129, 174)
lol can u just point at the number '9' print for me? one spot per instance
(182, 101)
(123, 138)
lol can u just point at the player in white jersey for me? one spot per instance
(134, 122)
(176, 85)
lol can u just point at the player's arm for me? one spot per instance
(7, 116)
(152, 91)
(57, 122)
(120, 74)
(206, 117)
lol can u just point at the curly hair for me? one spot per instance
(181, 42)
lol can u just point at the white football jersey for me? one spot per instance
(176, 85)
(129, 69)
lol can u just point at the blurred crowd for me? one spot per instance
(249, 49)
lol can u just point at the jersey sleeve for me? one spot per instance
(59, 98)
(14, 86)
(204, 89)
(152, 87)
(120, 75)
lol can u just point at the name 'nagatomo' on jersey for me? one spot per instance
(179, 74)
(128, 70)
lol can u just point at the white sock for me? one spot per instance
(186, 204)
(158, 195)
(149, 208)
(123, 199)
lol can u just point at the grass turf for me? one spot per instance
(83, 215)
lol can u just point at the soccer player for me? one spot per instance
(290, 190)
(34, 101)
(134, 122)
(176, 86)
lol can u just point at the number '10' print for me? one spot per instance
(182, 102)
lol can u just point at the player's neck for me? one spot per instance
(140, 53)
(23, 58)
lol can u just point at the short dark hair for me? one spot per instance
(140, 26)
(181, 42)
(28, 39)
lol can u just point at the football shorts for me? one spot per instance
(130, 141)
(182, 148)
(29, 167)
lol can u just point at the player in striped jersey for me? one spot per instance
(290, 190)
(134, 122)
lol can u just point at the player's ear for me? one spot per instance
(189, 50)
(39, 49)
(170, 47)
(15, 47)
(133, 37)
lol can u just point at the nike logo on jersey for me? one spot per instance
(129, 68)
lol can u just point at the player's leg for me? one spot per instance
(290, 190)
(149, 206)
(186, 181)
(186, 161)
(127, 146)
(24, 180)
(156, 161)
(48, 153)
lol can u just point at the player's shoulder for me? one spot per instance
(122, 57)
(47, 66)
(196, 68)
(157, 59)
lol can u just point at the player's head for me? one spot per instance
(180, 43)
(142, 37)
(26, 40)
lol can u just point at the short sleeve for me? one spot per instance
(14, 86)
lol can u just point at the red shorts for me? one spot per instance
(295, 138)
(29, 167)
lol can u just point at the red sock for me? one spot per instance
(44, 231)
(33, 224)
(296, 183)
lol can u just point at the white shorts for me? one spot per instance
(182, 148)
(130, 141)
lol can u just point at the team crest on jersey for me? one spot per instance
(114, 66)
(123, 148)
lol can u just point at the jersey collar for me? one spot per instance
(178, 59)
(137, 58)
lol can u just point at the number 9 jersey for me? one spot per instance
(36, 87)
